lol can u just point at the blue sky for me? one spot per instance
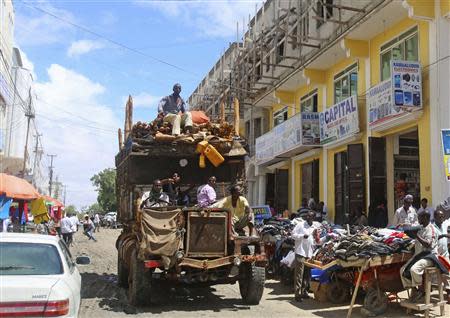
(82, 80)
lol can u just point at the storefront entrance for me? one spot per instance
(277, 189)
(404, 169)
(349, 181)
(407, 168)
(310, 180)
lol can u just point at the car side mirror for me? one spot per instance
(83, 260)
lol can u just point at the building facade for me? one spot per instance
(353, 95)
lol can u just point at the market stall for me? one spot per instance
(15, 195)
(369, 259)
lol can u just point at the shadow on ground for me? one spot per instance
(113, 298)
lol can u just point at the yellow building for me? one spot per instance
(344, 102)
(384, 149)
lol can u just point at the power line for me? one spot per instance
(85, 29)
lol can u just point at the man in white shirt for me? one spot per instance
(97, 222)
(66, 229)
(406, 214)
(303, 234)
(424, 207)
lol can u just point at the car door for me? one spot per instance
(71, 277)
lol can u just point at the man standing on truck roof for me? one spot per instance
(242, 215)
(206, 195)
(169, 109)
(155, 198)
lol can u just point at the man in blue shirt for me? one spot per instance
(169, 109)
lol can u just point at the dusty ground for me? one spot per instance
(101, 297)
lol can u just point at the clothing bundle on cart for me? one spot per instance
(363, 244)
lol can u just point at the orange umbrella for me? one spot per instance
(53, 201)
(17, 188)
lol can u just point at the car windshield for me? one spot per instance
(29, 259)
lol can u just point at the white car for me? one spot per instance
(38, 277)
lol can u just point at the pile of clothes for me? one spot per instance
(364, 243)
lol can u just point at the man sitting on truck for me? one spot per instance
(155, 198)
(169, 109)
(242, 215)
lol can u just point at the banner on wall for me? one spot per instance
(302, 129)
(339, 121)
(310, 129)
(446, 151)
(397, 96)
(406, 83)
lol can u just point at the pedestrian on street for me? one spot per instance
(75, 222)
(66, 229)
(406, 214)
(89, 228)
(97, 222)
(303, 234)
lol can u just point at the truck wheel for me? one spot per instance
(375, 302)
(138, 282)
(122, 272)
(251, 283)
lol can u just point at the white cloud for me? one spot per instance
(78, 128)
(81, 47)
(144, 99)
(35, 27)
(27, 64)
(210, 18)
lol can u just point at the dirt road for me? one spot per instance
(101, 297)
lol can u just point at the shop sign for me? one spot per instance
(379, 103)
(394, 97)
(446, 151)
(406, 79)
(299, 130)
(339, 121)
(261, 212)
(310, 129)
(4, 90)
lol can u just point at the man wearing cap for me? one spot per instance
(169, 109)
(406, 214)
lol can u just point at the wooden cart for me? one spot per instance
(377, 276)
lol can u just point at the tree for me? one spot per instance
(94, 208)
(105, 184)
(70, 209)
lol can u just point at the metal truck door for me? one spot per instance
(356, 177)
(281, 189)
(377, 169)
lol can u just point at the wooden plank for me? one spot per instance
(355, 292)
(420, 307)
(319, 265)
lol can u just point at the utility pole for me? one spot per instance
(36, 154)
(29, 115)
(65, 193)
(50, 183)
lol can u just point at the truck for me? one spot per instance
(181, 246)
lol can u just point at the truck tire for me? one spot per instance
(139, 282)
(122, 272)
(375, 302)
(251, 283)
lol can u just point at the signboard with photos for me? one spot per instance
(406, 83)
(391, 98)
(339, 121)
(302, 129)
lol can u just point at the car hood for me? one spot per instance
(26, 288)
